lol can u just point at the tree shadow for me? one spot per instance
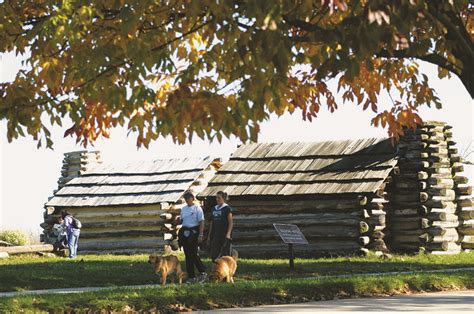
(256, 269)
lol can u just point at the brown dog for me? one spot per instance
(165, 265)
(224, 268)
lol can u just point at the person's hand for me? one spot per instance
(176, 221)
(228, 237)
(200, 238)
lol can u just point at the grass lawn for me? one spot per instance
(30, 272)
(243, 293)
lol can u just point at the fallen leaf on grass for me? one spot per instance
(127, 308)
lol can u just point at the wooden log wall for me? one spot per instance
(427, 201)
(339, 225)
(115, 229)
(377, 217)
(466, 217)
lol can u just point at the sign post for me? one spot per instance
(292, 256)
(290, 234)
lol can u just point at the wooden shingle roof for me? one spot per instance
(283, 169)
(135, 183)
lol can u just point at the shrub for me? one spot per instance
(14, 237)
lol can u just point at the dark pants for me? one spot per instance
(220, 247)
(190, 247)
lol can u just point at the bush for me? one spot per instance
(14, 237)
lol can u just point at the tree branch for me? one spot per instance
(309, 27)
(112, 67)
(431, 58)
(192, 30)
(115, 66)
(453, 29)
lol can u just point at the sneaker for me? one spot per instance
(202, 277)
(190, 281)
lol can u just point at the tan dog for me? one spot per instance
(165, 265)
(224, 268)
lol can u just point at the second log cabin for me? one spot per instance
(334, 191)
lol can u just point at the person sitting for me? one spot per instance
(59, 230)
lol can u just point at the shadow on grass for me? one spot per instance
(242, 293)
(92, 271)
(77, 273)
(254, 269)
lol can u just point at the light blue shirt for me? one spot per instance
(191, 216)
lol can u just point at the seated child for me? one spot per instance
(59, 230)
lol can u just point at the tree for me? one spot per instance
(217, 68)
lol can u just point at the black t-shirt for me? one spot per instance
(220, 222)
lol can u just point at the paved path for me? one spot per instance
(437, 302)
(89, 289)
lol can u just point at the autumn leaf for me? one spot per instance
(216, 69)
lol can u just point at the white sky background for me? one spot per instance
(29, 175)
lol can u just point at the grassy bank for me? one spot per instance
(32, 272)
(243, 293)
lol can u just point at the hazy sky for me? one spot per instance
(29, 175)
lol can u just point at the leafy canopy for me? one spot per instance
(217, 68)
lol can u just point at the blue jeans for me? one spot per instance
(72, 240)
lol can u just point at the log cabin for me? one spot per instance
(335, 191)
(121, 205)
(348, 197)
(351, 196)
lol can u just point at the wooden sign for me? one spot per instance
(290, 234)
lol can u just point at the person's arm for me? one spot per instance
(200, 215)
(230, 221)
(209, 232)
(201, 231)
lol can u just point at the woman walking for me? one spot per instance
(190, 236)
(220, 229)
